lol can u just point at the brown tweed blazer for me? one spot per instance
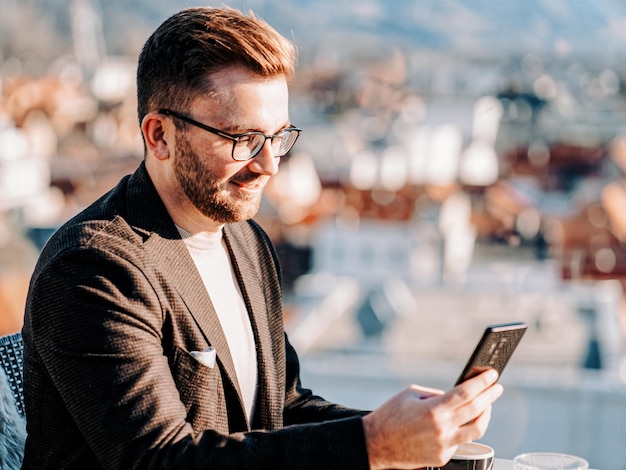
(114, 308)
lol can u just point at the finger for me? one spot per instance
(483, 380)
(476, 429)
(470, 411)
(470, 389)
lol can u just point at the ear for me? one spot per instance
(156, 131)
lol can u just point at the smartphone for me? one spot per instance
(494, 349)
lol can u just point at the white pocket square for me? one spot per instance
(206, 357)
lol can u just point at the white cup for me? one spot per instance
(549, 461)
(470, 456)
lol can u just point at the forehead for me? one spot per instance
(239, 96)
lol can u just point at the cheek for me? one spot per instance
(209, 165)
(217, 170)
(236, 171)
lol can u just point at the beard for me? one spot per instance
(201, 186)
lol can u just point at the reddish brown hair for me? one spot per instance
(177, 59)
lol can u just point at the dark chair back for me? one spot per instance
(11, 352)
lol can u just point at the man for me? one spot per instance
(153, 330)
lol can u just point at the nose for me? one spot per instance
(265, 163)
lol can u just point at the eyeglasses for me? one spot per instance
(248, 145)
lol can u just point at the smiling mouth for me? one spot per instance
(251, 187)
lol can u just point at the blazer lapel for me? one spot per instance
(268, 411)
(175, 259)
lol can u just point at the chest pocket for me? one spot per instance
(201, 391)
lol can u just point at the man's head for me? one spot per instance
(213, 105)
(187, 48)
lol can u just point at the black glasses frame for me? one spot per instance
(236, 138)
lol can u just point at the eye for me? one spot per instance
(246, 139)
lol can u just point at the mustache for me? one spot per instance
(246, 177)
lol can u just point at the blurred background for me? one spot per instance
(462, 164)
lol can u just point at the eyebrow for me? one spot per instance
(238, 129)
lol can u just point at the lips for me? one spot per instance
(249, 188)
(251, 185)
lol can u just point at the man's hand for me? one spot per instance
(422, 427)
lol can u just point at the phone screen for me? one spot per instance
(494, 349)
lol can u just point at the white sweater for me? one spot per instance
(210, 254)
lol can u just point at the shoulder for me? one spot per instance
(96, 234)
(119, 222)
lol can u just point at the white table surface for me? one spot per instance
(504, 464)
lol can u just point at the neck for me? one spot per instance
(192, 220)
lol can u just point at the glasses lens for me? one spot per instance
(248, 146)
(284, 141)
